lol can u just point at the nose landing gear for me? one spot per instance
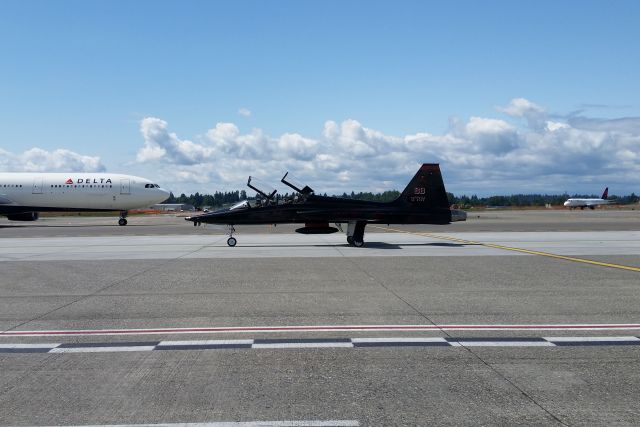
(231, 241)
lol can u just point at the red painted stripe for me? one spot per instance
(320, 328)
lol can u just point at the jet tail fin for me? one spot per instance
(426, 189)
(605, 194)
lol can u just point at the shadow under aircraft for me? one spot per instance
(423, 201)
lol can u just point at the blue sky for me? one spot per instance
(142, 86)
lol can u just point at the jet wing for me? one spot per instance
(329, 215)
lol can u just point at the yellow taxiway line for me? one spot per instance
(509, 248)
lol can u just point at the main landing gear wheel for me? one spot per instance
(123, 218)
(355, 233)
(354, 242)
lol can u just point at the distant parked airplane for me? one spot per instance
(23, 195)
(424, 201)
(588, 203)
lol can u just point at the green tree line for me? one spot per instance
(216, 199)
(532, 199)
(219, 199)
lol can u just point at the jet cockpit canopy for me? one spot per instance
(288, 180)
(261, 188)
(244, 204)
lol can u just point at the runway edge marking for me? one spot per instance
(284, 423)
(323, 328)
(513, 249)
(328, 343)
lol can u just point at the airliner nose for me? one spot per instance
(164, 193)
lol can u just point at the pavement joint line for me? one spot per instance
(514, 249)
(379, 342)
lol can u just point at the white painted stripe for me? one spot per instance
(206, 342)
(402, 339)
(101, 349)
(28, 345)
(327, 328)
(502, 344)
(587, 339)
(302, 423)
(304, 345)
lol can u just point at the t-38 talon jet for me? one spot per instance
(424, 201)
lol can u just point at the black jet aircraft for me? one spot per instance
(424, 201)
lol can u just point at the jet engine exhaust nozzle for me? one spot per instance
(458, 215)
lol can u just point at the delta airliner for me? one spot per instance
(23, 195)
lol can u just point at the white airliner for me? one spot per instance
(588, 203)
(23, 195)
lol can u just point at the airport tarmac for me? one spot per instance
(517, 317)
(174, 224)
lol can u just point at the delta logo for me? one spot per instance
(89, 181)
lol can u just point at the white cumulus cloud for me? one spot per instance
(159, 144)
(483, 155)
(521, 107)
(40, 160)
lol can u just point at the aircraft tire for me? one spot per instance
(231, 241)
(358, 244)
(350, 240)
(122, 221)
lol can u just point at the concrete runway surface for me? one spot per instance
(516, 317)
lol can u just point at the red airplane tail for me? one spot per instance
(426, 189)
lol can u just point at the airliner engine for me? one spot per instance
(25, 216)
